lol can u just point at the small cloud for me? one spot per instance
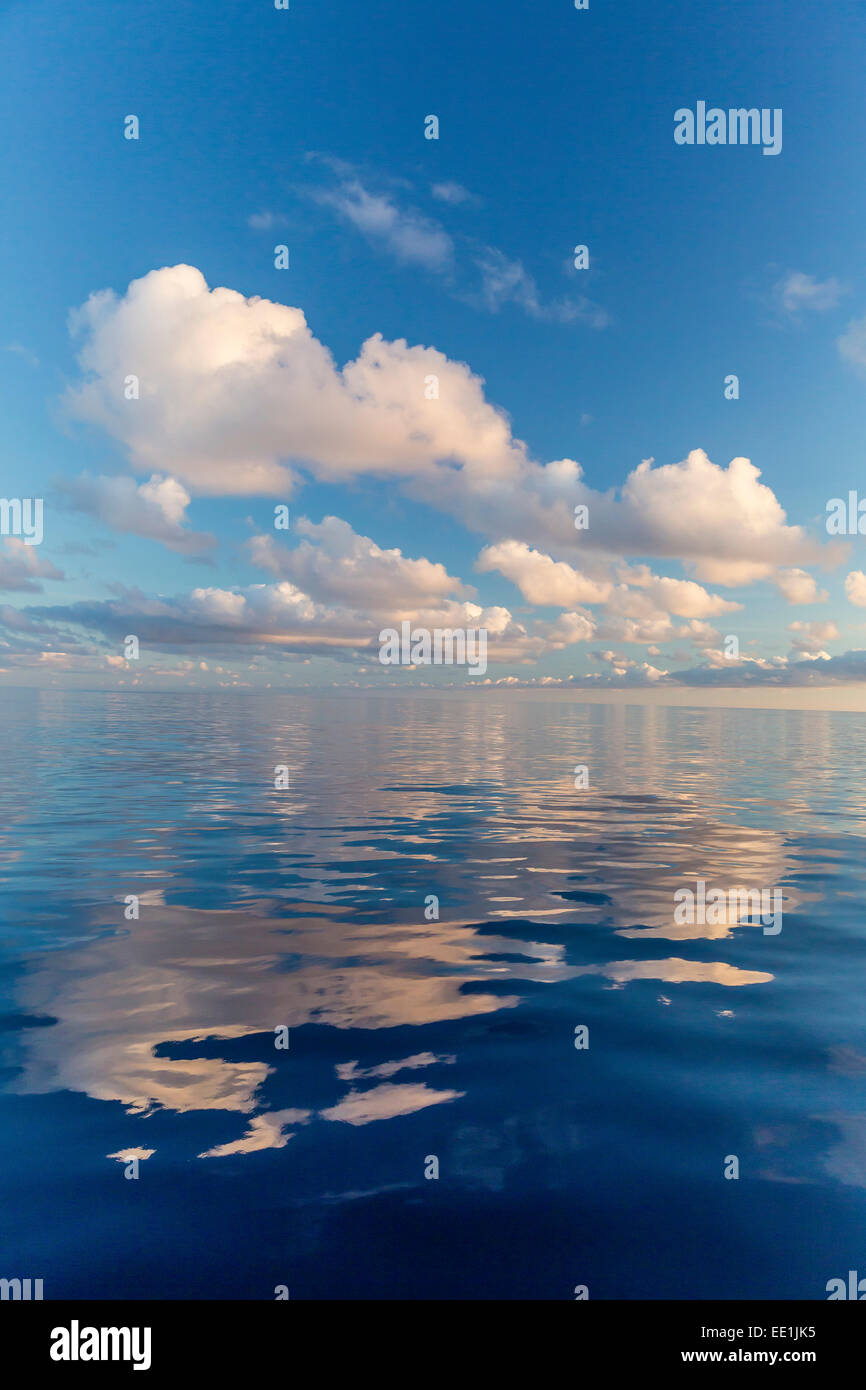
(796, 291)
(504, 281)
(262, 221)
(798, 586)
(454, 193)
(855, 588)
(408, 235)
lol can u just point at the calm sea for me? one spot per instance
(425, 915)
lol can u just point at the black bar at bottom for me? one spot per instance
(249, 1339)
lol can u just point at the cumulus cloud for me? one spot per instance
(280, 618)
(155, 509)
(540, 578)
(231, 387)
(334, 564)
(798, 586)
(681, 596)
(235, 390)
(855, 588)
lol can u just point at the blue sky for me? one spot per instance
(305, 127)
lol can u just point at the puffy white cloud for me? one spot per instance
(855, 588)
(539, 577)
(798, 586)
(681, 596)
(730, 526)
(234, 390)
(230, 387)
(155, 509)
(568, 629)
(334, 564)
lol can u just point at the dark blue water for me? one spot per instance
(411, 1038)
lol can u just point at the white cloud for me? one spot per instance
(281, 619)
(681, 596)
(453, 193)
(797, 291)
(155, 509)
(507, 281)
(540, 578)
(234, 391)
(798, 586)
(408, 235)
(855, 588)
(344, 567)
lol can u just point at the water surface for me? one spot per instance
(412, 1037)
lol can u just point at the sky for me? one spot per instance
(423, 385)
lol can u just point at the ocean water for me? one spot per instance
(418, 1040)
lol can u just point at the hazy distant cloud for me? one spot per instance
(155, 509)
(506, 281)
(263, 221)
(811, 638)
(797, 291)
(21, 351)
(852, 344)
(823, 670)
(481, 276)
